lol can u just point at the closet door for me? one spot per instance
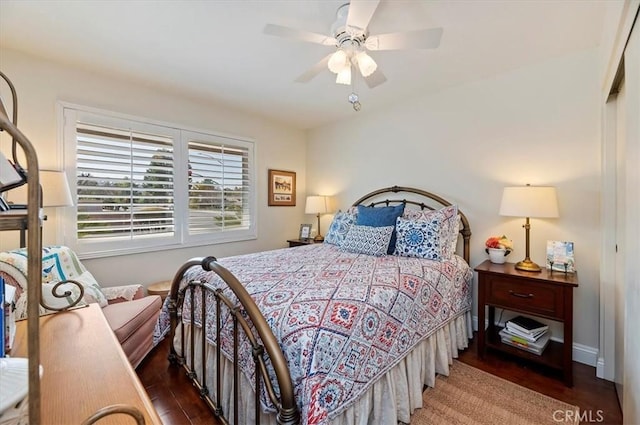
(631, 371)
(619, 283)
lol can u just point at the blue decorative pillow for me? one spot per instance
(379, 217)
(339, 228)
(419, 238)
(367, 240)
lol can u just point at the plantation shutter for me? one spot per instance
(219, 187)
(125, 183)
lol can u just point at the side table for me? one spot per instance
(160, 288)
(300, 242)
(545, 294)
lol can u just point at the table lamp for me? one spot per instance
(55, 190)
(316, 205)
(529, 201)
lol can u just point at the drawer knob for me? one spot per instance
(519, 295)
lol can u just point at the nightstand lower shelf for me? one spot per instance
(552, 356)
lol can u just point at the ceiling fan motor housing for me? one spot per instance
(347, 37)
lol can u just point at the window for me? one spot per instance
(143, 186)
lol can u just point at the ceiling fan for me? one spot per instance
(350, 36)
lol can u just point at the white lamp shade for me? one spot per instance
(338, 61)
(529, 201)
(55, 190)
(316, 205)
(366, 64)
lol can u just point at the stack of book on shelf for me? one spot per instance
(526, 333)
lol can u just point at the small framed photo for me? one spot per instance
(560, 257)
(282, 188)
(305, 231)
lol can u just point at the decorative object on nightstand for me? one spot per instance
(560, 256)
(498, 247)
(305, 231)
(529, 201)
(317, 205)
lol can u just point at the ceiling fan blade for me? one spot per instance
(420, 39)
(360, 13)
(315, 70)
(375, 79)
(296, 34)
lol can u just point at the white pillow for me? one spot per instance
(59, 302)
(92, 292)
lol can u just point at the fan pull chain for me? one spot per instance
(353, 98)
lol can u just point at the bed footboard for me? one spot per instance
(247, 311)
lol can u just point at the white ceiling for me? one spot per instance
(216, 49)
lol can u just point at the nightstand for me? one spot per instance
(299, 242)
(546, 294)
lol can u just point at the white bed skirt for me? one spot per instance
(389, 401)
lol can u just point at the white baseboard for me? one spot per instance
(581, 353)
(600, 368)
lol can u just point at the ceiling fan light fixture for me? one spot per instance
(344, 76)
(366, 64)
(338, 61)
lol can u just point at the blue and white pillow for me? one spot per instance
(339, 228)
(419, 238)
(449, 221)
(367, 240)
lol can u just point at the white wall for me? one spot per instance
(538, 125)
(40, 84)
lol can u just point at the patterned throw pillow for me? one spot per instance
(60, 264)
(449, 226)
(368, 240)
(419, 238)
(339, 228)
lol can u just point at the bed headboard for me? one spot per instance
(419, 199)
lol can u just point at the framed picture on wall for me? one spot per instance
(560, 257)
(282, 188)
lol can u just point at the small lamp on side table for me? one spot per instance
(316, 205)
(55, 194)
(529, 201)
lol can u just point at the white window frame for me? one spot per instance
(68, 116)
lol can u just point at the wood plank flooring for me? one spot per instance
(178, 402)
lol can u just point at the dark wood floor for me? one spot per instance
(178, 403)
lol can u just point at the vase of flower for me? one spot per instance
(497, 255)
(498, 247)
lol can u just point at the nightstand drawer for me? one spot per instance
(529, 297)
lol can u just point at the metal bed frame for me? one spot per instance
(247, 311)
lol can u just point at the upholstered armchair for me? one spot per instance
(131, 315)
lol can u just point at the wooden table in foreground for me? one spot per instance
(84, 369)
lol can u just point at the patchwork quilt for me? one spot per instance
(342, 319)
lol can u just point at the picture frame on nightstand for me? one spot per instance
(560, 257)
(305, 231)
